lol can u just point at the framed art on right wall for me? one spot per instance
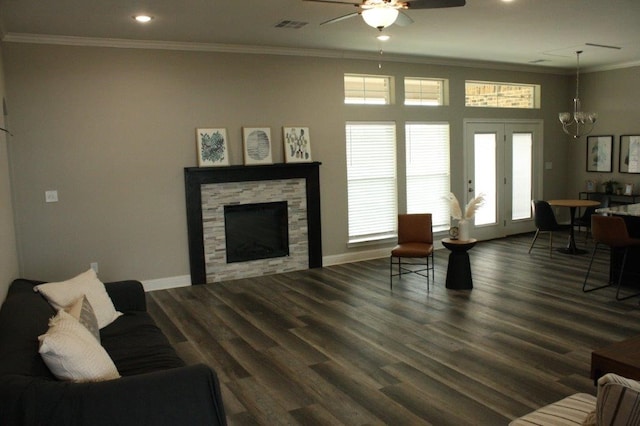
(629, 154)
(600, 153)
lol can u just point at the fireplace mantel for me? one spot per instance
(195, 177)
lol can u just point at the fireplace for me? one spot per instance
(209, 189)
(256, 231)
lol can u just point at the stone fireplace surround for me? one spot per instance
(212, 187)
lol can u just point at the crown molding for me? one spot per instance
(269, 50)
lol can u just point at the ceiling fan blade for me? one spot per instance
(334, 2)
(340, 18)
(403, 19)
(434, 4)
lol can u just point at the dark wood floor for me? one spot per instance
(334, 345)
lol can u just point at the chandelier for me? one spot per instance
(580, 123)
(380, 13)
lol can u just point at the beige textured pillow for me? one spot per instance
(64, 293)
(82, 310)
(72, 353)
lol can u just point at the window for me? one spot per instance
(371, 176)
(501, 95)
(427, 148)
(424, 91)
(367, 89)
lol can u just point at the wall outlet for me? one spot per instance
(94, 266)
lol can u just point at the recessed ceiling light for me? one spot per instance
(383, 37)
(143, 18)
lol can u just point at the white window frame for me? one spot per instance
(371, 181)
(422, 96)
(363, 89)
(428, 170)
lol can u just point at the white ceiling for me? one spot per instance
(519, 32)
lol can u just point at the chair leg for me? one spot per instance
(624, 261)
(391, 272)
(535, 237)
(584, 284)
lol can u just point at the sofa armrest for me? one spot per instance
(127, 295)
(179, 396)
(618, 400)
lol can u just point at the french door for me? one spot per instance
(503, 161)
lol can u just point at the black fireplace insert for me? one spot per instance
(256, 231)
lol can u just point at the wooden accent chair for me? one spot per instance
(611, 231)
(545, 221)
(415, 241)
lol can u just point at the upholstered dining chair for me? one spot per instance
(584, 221)
(611, 231)
(415, 243)
(545, 221)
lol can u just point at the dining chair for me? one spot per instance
(545, 221)
(415, 243)
(584, 221)
(611, 231)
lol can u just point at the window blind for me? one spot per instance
(371, 176)
(428, 173)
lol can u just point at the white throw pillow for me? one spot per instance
(72, 353)
(64, 293)
(82, 310)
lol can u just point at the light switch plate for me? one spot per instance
(51, 196)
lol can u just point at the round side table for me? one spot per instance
(459, 269)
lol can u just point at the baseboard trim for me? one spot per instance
(166, 283)
(338, 259)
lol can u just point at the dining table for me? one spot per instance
(573, 205)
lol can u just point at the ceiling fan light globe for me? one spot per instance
(380, 17)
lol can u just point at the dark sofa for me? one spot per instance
(156, 387)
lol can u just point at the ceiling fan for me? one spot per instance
(382, 13)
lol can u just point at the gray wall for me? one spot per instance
(8, 251)
(112, 129)
(614, 96)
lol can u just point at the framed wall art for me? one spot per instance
(600, 153)
(629, 154)
(297, 144)
(212, 148)
(257, 145)
(628, 189)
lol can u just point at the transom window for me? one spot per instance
(424, 91)
(367, 89)
(501, 95)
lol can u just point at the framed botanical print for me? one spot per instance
(629, 154)
(297, 144)
(212, 148)
(600, 153)
(257, 145)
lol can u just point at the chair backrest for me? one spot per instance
(610, 230)
(415, 228)
(590, 211)
(543, 216)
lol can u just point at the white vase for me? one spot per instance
(463, 230)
